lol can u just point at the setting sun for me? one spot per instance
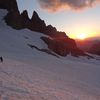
(81, 36)
(83, 33)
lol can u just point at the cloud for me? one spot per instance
(56, 5)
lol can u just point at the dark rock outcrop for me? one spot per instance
(24, 19)
(36, 24)
(13, 19)
(52, 31)
(13, 16)
(10, 5)
(63, 46)
(43, 50)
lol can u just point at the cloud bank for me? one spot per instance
(56, 5)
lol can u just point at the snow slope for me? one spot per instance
(29, 74)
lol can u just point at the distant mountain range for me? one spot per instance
(90, 46)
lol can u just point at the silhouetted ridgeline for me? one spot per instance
(60, 42)
(63, 46)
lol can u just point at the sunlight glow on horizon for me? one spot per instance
(83, 29)
(82, 35)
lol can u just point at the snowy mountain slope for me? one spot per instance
(16, 41)
(29, 74)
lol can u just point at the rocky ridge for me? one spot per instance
(60, 42)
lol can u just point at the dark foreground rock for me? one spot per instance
(63, 46)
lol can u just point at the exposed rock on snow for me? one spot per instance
(63, 46)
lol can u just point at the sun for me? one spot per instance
(81, 36)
